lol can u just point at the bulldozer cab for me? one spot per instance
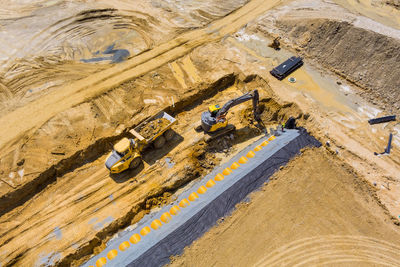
(123, 146)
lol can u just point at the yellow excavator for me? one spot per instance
(214, 122)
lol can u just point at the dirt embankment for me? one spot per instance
(74, 140)
(368, 59)
(393, 3)
(316, 211)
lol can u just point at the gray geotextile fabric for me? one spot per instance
(205, 218)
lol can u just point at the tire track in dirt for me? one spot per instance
(55, 53)
(15, 124)
(360, 260)
(333, 248)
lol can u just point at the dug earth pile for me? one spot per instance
(153, 127)
(315, 211)
(393, 3)
(365, 58)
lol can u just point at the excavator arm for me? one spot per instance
(214, 120)
(253, 95)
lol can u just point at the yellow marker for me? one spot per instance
(250, 154)
(193, 196)
(145, 230)
(174, 210)
(235, 165)
(243, 160)
(112, 254)
(124, 245)
(202, 189)
(227, 171)
(210, 183)
(156, 224)
(184, 203)
(219, 177)
(272, 137)
(265, 143)
(257, 148)
(166, 217)
(135, 238)
(101, 262)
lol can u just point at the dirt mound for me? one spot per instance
(303, 216)
(393, 3)
(365, 58)
(153, 127)
(271, 112)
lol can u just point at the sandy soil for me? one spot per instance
(45, 43)
(315, 212)
(26, 123)
(58, 203)
(339, 110)
(102, 204)
(368, 62)
(383, 11)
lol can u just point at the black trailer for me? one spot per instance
(287, 67)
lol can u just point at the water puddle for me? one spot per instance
(100, 225)
(169, 162)
(118, 55)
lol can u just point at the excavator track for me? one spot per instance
(212, 136)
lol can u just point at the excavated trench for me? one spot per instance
(201, 160)
(217, 203)
(98, 148)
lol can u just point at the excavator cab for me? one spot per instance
(213, 109)
(123, 156)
